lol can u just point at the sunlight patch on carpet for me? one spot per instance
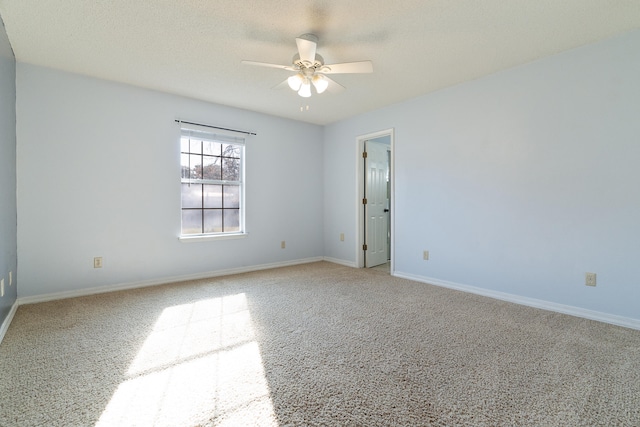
(200, 364)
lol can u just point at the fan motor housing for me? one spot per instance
(300, 64)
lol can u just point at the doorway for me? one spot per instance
(375, 199)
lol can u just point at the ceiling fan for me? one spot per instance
(310, 69)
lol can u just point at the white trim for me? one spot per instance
(7, 320)
(162, 281)
(626, 322)
(360, 140)
(210, 237)
(241, 184)
(340, 261)
(392, 201)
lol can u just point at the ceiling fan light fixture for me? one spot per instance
(295, 81)
(320, 83)
(305, 89)
(310, 69)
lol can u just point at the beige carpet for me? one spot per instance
(386, 267)
(312, 345)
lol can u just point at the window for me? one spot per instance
(212, 183)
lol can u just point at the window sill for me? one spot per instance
(210, 237)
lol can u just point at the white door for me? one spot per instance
(377, 206)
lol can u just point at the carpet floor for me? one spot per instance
(312, 345)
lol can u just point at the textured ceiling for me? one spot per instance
(194, 47)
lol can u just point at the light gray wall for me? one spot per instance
(8, 258)
(99, 175)
(519, 182)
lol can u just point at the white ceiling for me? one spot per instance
(194, 47)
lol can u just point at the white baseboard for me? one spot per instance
(517, 299)
(161, 281)
(627, 322)
(340, 261)
(7, 321)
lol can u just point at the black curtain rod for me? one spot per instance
(215, 127)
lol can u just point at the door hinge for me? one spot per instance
(364, 154)
(364, 201)
(364, 247)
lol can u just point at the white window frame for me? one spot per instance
(206, 134)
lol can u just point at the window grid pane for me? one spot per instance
(212, 196)
(211, 167)
(213, 221)
(191, 221)
(231, 196)
(191, 196)
(231, 220)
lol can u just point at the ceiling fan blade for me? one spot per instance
(266, 64)
(283, 85)
(334, 87)
(307, 48)
(347, 68)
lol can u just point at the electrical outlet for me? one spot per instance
(342, 237)
(590, 279)
(425, 255)
(282, 244)
(2, 287)
(97, 262)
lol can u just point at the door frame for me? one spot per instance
(360, 183)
